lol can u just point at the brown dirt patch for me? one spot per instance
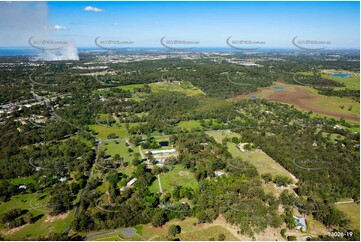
(14, 230)
(306, 99)
(51, 219)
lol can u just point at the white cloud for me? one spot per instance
(93, 9)
(55, 27)
(59, 27)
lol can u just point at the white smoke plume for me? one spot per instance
(67, 52)
(22, 21)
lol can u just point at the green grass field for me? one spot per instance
(113, 238)
(189, 124)
(190, 231)
(220, 135)
(352, 212)
(113, 148)
(335, 103)
(352, 82)
(262, 162)
(18, 201)
(41, 227)
(22, 180)
(165, 87)
(131, 87)
(172, 179)
(103, 131)
(207, 233)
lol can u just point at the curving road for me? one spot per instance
(128, 232)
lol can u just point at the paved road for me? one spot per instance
(141, 153)
(345, 202)
(128, 232)
(97, 144)
(160, 184)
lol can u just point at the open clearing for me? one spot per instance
(112, 148)
(219, 135)
(192, 231)
(352, 212)
(175, 87)
(43, 226)
(131, 87)
(352, 82)
(177, 177)
(307, 99)
(103, 131)
(189, 124)
(262, 162)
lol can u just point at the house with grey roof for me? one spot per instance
(300, 223)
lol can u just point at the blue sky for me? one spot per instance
(209, 23)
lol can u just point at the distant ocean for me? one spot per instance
(26, 51)
(19, 51)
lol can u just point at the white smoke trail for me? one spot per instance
(23, 22)
(67, 52)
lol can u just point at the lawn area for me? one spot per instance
(190, 230)
(113, 148)
(22, 180)
(258, 158)
(154, 188)
(219, 135)
(149, 232)
(207, 233)
(352, 82)
(113, 238)
(352, 212)
(130, 87)
(103, 131)
(19, 201)
(173, 178)
(261, 161)
(333, 136)
(117, 237)
(41, 227)
(189, 124)
(165, 87)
